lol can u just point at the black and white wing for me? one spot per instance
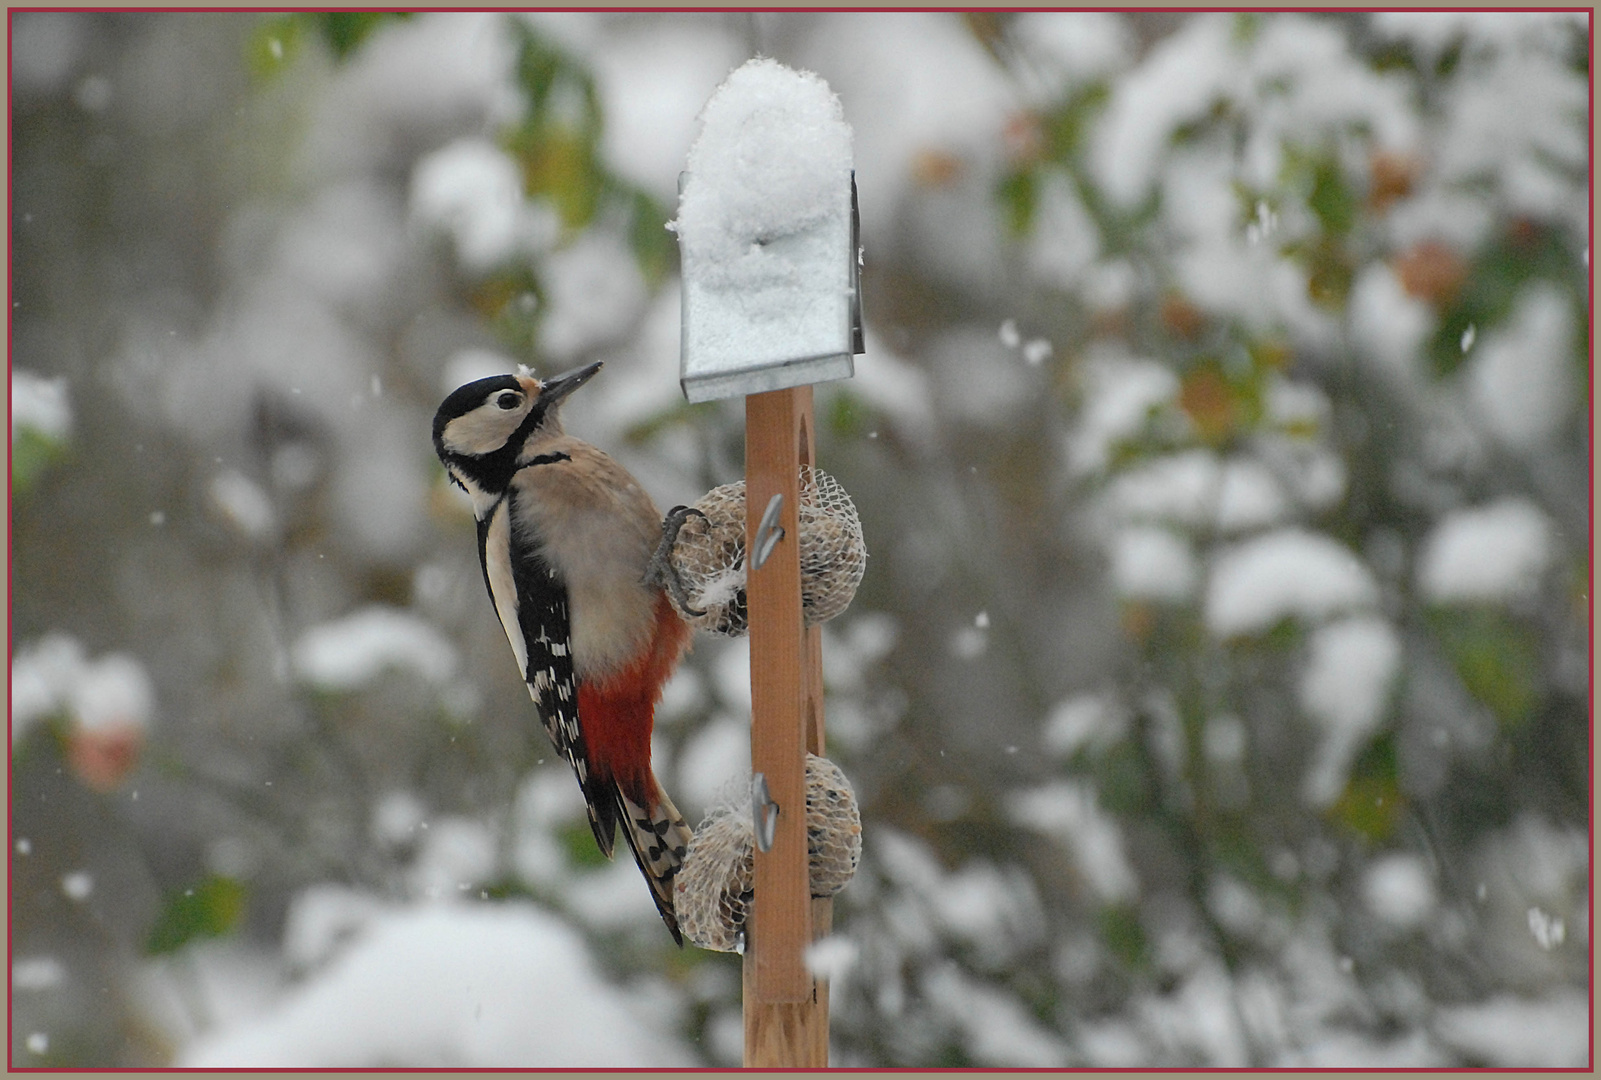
(531, 600)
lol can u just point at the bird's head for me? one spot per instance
(482, 427)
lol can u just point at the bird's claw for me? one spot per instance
(661, 571)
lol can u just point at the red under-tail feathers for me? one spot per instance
(617, 716)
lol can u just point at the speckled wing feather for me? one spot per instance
(539, 607)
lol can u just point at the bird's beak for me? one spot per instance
(554, 389)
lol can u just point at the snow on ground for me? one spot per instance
(1495, 552)
(350, 652)
(1520, 1033)
(449, 986)
(1290, 572)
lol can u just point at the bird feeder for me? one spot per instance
(768, 232)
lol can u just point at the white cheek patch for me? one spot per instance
(482, 431)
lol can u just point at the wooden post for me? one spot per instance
(786, 1009)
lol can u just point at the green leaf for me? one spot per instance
(1065, 127)
(274, 43)
(211, 908)
(578, 840)
(1120, 929)
(1497, 658)
(1019, 197)
(655, 249)
(1371, 807)
(1332, 199)
(1496, 276)
(31, 454)
(346, 30)
(848, 415)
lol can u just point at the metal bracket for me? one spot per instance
(768, 533)
(764, 812)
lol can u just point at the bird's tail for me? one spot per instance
(659, 836)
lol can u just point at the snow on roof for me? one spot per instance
(772, 159)
(1291, 572)
(1494, 552)
(350, 652)
(449, 985)
(764, 224)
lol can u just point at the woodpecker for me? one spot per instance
(565, 538)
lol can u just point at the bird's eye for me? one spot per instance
(509, 400)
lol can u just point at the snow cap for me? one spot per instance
(773, 158)
(765, 226)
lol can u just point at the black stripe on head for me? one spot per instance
(491, 471)
(464, 399)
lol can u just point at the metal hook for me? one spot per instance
(764, 812)
(768, 532)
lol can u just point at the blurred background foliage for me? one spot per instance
(1217, 691)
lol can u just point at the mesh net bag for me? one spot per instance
(701, 559)
(714, 890)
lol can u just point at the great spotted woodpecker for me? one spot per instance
(565, 537)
